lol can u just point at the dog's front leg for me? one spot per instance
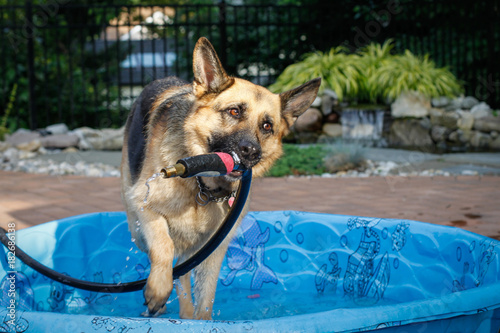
(161, 254)
(206, 276)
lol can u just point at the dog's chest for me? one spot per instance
(195, 225)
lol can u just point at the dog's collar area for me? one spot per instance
(206, 195)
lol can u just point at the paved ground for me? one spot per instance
(469, 202)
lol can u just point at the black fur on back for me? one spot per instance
(138, 119)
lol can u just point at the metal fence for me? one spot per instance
(84, 65)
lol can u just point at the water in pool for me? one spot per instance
(230, 304)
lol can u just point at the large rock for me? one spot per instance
(410, 104)
(309, 121)
(448, 119)
(440, 102)
(466, 120)
(495, 143)
(22, 136)
(332, 130)
(469, 102)
(4, 146)
(481, 110)
(362, 131)
(57, 129)
(410, 133)
(439, 133)
(60, 141)
(104, 139)
(460, 136)
(487, 124)
(480, 140)
(329, 101)
(31, 146)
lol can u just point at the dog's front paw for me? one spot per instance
(157, 291)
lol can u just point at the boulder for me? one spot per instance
(22, 136)
(455, 104)
(57, 129)
(469, 102)
(10, 155)
(480, 140)
(328, 101)
(487, 124)
(362, 131)
(31, 146)
(439, 133)
(448, 119)
(4, 146)
(60, 141)
(309, 121)
(410, 104)
(460, 136)
(481, 110)
(410, 133)
(316, 103)
(466, 120)
(440, 102)
(495, 143)
(332, 130)
(104, 139)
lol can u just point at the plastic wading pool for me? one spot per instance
(285, 271)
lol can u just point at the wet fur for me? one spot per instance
(173, 119)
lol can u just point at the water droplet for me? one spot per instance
(137, 229)
(206, 309)
(131, 249)
(212, 300)
(133, 239)
(142, 209)
(153, 177)
(137, 222)
(128, 258)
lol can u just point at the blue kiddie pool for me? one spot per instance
(285, 271)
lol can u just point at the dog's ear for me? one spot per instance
(209, 76)
(296, 101)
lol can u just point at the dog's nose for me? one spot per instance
(250, 151)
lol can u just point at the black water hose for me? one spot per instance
(178, 271)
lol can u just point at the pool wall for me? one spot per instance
(284, 271)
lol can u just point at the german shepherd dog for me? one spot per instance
(173, 119)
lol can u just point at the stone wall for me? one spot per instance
(415, 121)
(444, 123)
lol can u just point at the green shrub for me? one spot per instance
(338, 70)
(409, 72)
(373, 74)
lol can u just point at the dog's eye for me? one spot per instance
(234, 112)
(267, 127)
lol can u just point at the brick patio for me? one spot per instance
(468, 202)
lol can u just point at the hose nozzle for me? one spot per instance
(207, 165)
(176, 170)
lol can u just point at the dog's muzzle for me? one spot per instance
(249, 152)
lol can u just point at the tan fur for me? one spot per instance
(172, 224)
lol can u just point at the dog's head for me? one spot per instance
(236, 116)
